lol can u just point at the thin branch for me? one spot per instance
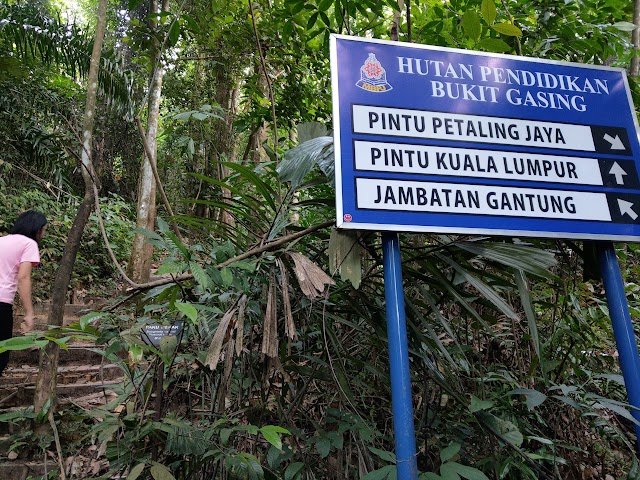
(251, 253)
(58, 446)
(106, 239)
(263, 63)
(506, 9)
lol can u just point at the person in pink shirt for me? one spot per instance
(19, 253)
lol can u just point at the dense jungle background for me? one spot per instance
(182, 153)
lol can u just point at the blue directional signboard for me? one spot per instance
(432, 139)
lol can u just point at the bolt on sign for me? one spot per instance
(432, 139)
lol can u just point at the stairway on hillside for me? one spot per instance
(84, 379)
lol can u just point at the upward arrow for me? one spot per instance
(625, 209)
(616, 143)
(618, 172)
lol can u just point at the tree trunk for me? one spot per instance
(395, 24)
(142, 251)
(635, 39)
(225, 147)
(48, 362)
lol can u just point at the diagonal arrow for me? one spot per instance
(625, 209)
(616, 143)
(618, 172)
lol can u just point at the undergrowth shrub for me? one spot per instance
(93, 267)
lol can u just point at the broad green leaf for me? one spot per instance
(189, 310)
(199, 274)
(464, 471)
(488, 10)
(271, 433)
(534, 397)
(380, 474)
(471, 24)
(449, 452)
(135, 472)
(478, 405)
(227, 276)
(494, 45)
(160, 472)
(448, 472)
(174, 33)
(503, 429)
(135, 353)
(512, 434)
(323, 445)
(293, 471)
(625, 26)
(21, 343)
(429, 476)
(85, 320)
(170, 267)
(568, 400)
(620, 410)
(544, 441)
(300, 160)
(507, 29)
(225, 433)
(312, 20)
(383, 454)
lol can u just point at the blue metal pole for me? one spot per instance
(401, 398)
(622, 327)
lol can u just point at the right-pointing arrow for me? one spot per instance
(616, 143)
(625, 209)
(618, 172)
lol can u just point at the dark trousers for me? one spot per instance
(6, 331)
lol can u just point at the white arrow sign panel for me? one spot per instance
(466, 162)
(407, 196)
(400, 122)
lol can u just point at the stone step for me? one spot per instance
(77, 352)
(22, 395)
(26, 374)
(22, 470)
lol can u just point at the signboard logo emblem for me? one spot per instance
(373, 76)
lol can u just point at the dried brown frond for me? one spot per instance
(311, 277)
(270, 333)
(215, 349)
(289, 325)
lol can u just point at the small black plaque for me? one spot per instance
(153, 333)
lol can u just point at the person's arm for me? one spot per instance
(24, 290)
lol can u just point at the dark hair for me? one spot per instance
(29, 224)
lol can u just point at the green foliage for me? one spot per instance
(512, 371)
(93, 263)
